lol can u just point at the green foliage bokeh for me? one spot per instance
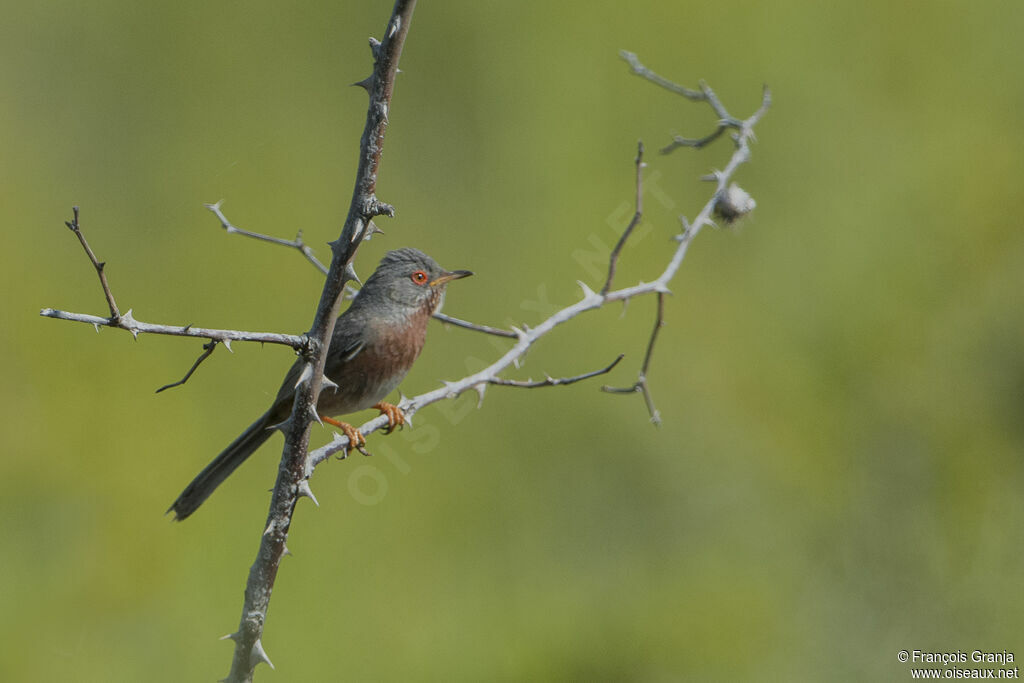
(839, 473)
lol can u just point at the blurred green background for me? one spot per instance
(839, 474)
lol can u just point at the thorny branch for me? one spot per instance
(296, 243)
(73, 225)
(291, 480)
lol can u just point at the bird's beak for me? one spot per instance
(448, 277)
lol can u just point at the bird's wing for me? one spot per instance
(348, 349)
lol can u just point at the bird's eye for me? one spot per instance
(419, 277)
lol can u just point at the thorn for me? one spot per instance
(520, 333)
(305, 492)
(365, 84)
(270, 529)
(258, 654)
(316, 416)
(452, 388)
(350, 272)
(662, 288)
(372, 230)
(589, 295)
(231, 636)
(305, 375)
(227, 344)
(286, 552)
(329, 383)
(395, 26)
(97, 326)
(374, 46)
(481, 389)
(625, 306)
(129, 321)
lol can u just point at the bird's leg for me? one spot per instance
(355, 439)
(395, 416)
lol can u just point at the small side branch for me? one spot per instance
(296, 243)
(613, 260)
(552, 381)
(75, 227)
(640, 70)
(641, 383)
(465, 324)
(726, 121)
(208, 349)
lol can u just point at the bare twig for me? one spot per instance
(74, 226)
(725, 120)
(642, 71)
(208, 349)
(126, 321)
(696, 143)
(296, 243)
(486, 329)
(613, 260)
(641, 383)
(550, 381)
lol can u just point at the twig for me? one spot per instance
(74, 226)
(208, 349)
(613, 260)
(550, 381)
(642, 71)
(725, 120)
(486, 329)
(641, 383)
(296, 243)
(126, 321)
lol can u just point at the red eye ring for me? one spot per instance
(419, 277)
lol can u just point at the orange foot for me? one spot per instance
(355, 439)
(395, 416)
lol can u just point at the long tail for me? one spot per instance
(222, 466)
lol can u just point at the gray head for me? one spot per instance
(409, 278)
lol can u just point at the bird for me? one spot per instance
(375, 343)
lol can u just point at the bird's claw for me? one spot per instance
(396, 418)
(355, 438)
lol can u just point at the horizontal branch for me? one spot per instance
(127, 322)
